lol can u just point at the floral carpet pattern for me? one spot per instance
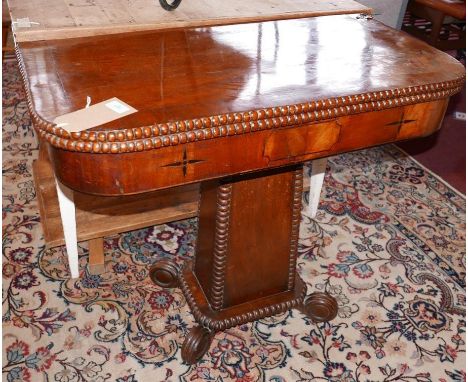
(388, 242)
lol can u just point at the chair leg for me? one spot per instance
(437, 25)
(67, 213)
(316, 181)
(96, 256)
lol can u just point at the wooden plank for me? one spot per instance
(80, 18)
(96, 256)
(45, 190)
(101, 216)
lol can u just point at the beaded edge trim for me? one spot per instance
(223, 125)
(220, 324)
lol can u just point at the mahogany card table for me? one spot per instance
(238, 108)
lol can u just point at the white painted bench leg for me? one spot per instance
(67, 213)
(318, 167)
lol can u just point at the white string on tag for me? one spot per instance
(88, 104)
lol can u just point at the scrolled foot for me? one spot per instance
(196, 344)
(320, 307)
(165, 273)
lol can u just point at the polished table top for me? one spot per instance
(202, 84)
(187, 74)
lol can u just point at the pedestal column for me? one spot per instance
(245, 263)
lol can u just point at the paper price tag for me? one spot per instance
(94, 115)
(117, 106)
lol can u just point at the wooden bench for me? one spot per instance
(441, 23)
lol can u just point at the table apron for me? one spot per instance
(131, 173)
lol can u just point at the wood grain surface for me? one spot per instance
(218, 101)
(79, 18)
(203, 72)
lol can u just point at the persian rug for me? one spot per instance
(388, 243)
